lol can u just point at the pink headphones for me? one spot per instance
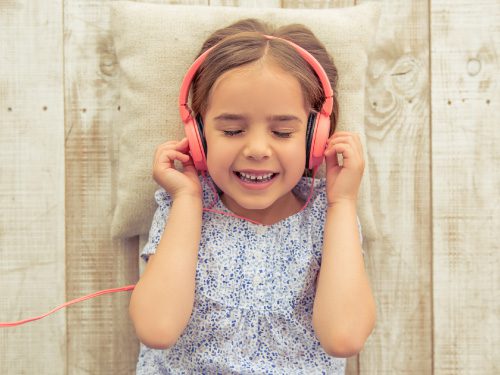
(318, 124)
(318, 128)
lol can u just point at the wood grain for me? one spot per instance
(101, 339)
(317, 4)
(246, 3)
(434, 271)
(399, 263)
(466, 186)
(32, 279)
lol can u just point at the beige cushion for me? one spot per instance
(156, 43)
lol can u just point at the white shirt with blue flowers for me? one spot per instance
(255, 288)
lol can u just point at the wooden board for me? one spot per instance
(397, 120)
(246, 3)
(316, 4)
(434, 271)
(32, 273)
(466, 186)
(101, 339)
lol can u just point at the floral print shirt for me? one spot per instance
(255, 288)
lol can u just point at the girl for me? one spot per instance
(255, 268)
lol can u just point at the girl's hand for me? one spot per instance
(175, 182)
(343, 182)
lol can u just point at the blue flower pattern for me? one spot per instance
(254, 296)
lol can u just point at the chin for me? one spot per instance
(253, 205)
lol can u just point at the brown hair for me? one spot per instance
(243, 43)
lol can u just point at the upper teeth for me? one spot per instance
(253, 177)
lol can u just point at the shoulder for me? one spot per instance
(162, 198)
(313, 191)
(316, 209)
(164, 203)
(209, 193)
(313, 216)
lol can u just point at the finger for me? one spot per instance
(182, 145)
(188, 162)
(350, 156)
(348, 137)
(168, 144)
(177, 145)
(357, 139)
(168, 157)
(344, 133)
(342, 138)
(332, 156)
(189, 168)
(341, 148)
(353, 141)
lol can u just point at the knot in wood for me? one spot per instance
(473, 66)
(408, 76)
(107, 64)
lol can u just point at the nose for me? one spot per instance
(257, 147)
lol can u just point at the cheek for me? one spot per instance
(297, 151)
(219, 156)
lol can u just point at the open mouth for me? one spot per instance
(255, 178)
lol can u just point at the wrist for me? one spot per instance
(345, 202)
(187, 200)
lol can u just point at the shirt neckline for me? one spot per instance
(304, 184)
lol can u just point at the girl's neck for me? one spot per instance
(286, 206)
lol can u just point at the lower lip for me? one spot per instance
(255, 185)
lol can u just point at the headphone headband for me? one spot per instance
(326, 108)
(318, 124)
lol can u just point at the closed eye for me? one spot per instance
(232, 133)
(282, 134)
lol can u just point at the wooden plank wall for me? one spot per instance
(32, 220)
(99, 332)
(432, 102)
(398, 132)
(466, 186)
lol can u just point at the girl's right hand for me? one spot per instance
(175, 182)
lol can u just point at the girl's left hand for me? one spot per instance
(343, 182)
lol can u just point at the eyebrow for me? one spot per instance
(275, 118)
(229, 116)
(279, 118)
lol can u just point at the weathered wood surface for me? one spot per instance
(32, 252)
(434, 270)
(466, 186)
(99, 331)
(398, 133)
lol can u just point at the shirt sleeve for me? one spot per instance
(164, 202)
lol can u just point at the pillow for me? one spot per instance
(156, 43)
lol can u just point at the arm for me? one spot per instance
(162, 301)
(344, 307)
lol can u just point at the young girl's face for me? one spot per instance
(255, 128)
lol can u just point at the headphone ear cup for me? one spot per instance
(311, 123)
(197, 146)
(199, 124)
(318, 137)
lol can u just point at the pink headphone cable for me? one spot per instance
(106, 291)
(131, 287)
